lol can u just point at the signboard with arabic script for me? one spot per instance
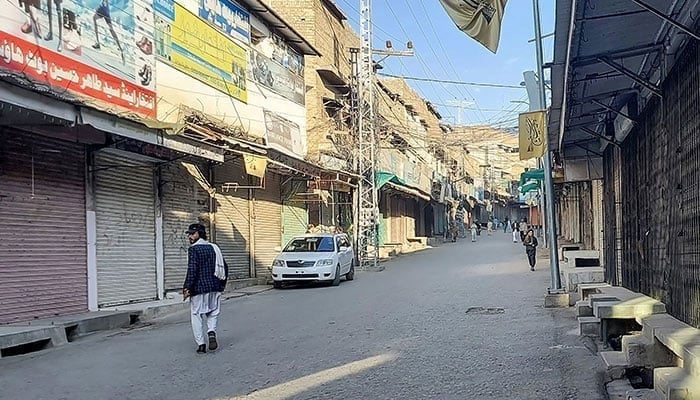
(101, 51)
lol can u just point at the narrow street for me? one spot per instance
(403, 333)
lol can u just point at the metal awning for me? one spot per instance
(271, 18)
(333, 80)
(610, 56)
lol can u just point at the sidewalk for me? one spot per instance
(30, 336)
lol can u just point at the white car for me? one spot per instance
(321, 257)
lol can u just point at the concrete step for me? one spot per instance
(615, 364)
(588, 326)
(586, 289)
(652, 323)
(638, 350)
(672, 383)
(628, 309)
(642, 394)
(584, 309)
(22, 339)
(576, 276)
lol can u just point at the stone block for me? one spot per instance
(584, 309)
(628, 309)
(691, 360)
(587, 289)
(652, 323)
(588, 326)
(556, 300)
(615, 364)
(638, 350)
(672, 383)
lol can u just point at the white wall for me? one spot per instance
(175, 88)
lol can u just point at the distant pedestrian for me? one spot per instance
(489, 227)
(206, 278)
(516, 234)
(473, 228)
(523, 229)
(506, 223)
(530, 244)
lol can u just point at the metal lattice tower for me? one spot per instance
(368, 202)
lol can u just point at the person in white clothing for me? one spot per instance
(207, 273)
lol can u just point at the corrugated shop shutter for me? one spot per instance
(598, 216)
(267, 224)
(295, 215)
(125, 214)
(184, 202)
(233, 218)
(43, 268)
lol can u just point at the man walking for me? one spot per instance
(207, 272)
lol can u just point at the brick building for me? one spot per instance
(327, 77)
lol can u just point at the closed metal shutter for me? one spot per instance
(125, 215)
(184, 201)
(597, 196)
(267, 224)
(233, 218)
(43, 267)
(295, 215)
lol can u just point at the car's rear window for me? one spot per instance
(312, 244)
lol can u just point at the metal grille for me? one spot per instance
(612, 208)
(661, 195)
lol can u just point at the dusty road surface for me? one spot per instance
(462, 321)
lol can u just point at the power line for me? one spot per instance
(415, 78)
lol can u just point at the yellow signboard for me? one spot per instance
(532, 133)
(255, 165)
(201, 51)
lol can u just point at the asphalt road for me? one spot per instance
(403, 333)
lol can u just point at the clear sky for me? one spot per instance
(445, 53)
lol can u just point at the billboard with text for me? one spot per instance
(101, 51)
(194, 47)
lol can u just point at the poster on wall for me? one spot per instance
(277, 78)
(191, 45)
(282, 133)
(228, 16)
(99, 50)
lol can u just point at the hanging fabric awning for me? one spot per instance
(396, 183)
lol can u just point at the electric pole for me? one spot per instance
(366, 234)
(460, 104)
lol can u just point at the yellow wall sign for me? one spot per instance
(201, 51)
(532, 133)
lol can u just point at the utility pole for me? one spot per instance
(366, 238)
(368, 197)
(548, 181)
(460, 104)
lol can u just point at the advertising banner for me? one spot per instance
(282, 133)
(228, 16)
(101, 51)
(194, 47)
(274, 76)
